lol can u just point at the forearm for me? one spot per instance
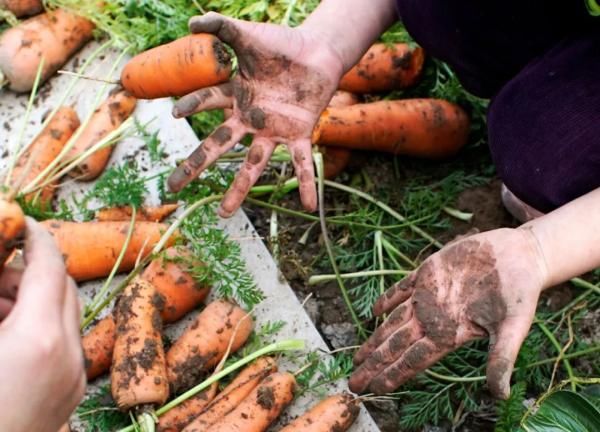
(569, 238)
(351, 26)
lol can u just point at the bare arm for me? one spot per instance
(569, 238)
(350, 26)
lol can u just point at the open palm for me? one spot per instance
(285, 80)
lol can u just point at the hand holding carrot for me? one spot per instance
(40, 350)
(286, 78)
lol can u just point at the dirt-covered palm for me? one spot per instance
(285, 80)
(483, 285)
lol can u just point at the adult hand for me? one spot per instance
(484, 285)
(41, 361)
(286, 78)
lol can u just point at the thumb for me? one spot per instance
(225, 28)
(504, 349)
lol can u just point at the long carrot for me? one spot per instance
(177, 68)
(233, 394)
(427, 128)
(149, 214)
(90, 249)
(138, 373)
(384, 68)
(107, 117)
(54, 36)
(43, 150)
(12, 227)
(261, 407)
(335, 413)
(21, 8)
(205, 341)
(177, 418)
(170, 275)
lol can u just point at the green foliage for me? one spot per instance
(151, 141)
(291, 12)
(564, 411)
(119, 186)
(511, 410)
(319, 372)
(206, 122)
(593, 7)
(99, 413)
(40, 212)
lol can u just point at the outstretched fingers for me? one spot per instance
(384, 356)
(397, 318)
(255, 163)
(396, 295)
(421, 355)
(301, 151)
(219, 142)
(209, 98)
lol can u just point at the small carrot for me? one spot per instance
(384, 68)
(335, 413)
(138, 374)
(176, 419)
(205, 342)
(98, 345)
(90, 249)
(107, 117)
(169, 273)
(20, 8)
(233, 394)
(12, 231)
(43, 150)
(177, 68)
(149, 214)
(55, 36)
(261, 407)
(427, 128)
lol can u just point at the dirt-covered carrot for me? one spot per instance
(177, 68)
(170, 275)
(205, 342)
(98, 345)
(108, 116)
(149, 214)
(43, 150)
(427, 128)
(385, 67)
(335, 413)
(177, 418)
(54, 36)
(21, 8)
(12, 227)
(233, 394)
(261, 407)
(91, 249)
(138, 374)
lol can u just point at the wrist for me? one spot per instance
(535, 245)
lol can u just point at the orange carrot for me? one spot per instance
(233, 394)
(384, 68)
(428, 128)
(42, 151)
(21, 8)
(175, 419)
(12, 223)
(205, 342)
(149, 214)
(107, 117)
(180, 293)
(138, 374)
(335, 413)
(91, 249)
(177, 68)
(257, 411)
(54, 36)
(98, 345)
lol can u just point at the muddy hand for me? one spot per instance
(285, 79)
(484, 285)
